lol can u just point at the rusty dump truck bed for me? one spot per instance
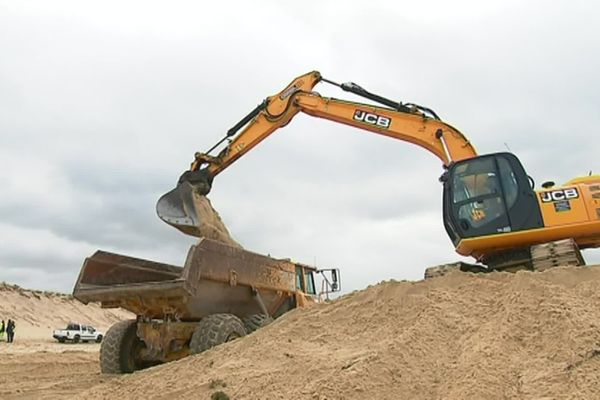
(216, 278)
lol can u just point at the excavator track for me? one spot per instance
(444, 269)
(535, 258)
(555, 254)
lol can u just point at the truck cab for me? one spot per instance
(306, 287)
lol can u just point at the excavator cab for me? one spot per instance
(488, 195)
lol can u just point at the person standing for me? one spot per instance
(2, 330)
(10, 331)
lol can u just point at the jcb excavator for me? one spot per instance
(490, 208)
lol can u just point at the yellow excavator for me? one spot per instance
(491, 210)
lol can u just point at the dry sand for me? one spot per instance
(212, 226)
(38, 313)
(463, 336)
(36, 366)
(36, 370)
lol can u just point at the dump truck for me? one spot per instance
(221, 293)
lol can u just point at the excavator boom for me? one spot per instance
(491, 210)
(410, 123)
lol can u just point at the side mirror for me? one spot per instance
(331, 284)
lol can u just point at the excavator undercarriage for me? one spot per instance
(535, 258)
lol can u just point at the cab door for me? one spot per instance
(88, 333)
(488, 195)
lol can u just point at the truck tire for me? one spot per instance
(214, 330)
(61, 340)
(253, 322)
(98, 338)
(76, 339)
(120, 349)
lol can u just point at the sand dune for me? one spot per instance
(37, 313)
(463, 336)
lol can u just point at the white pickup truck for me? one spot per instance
(78, 333)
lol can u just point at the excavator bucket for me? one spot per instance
(178, 207)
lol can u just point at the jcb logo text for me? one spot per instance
(559, 195)
(372, 119)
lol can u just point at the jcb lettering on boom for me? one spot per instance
(372, 119)
(559, 195)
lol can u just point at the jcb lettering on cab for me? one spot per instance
(558, 195)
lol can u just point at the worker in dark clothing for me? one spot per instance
(10, 331)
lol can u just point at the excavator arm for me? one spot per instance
(406, 122)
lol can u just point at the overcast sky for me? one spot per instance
(103, 104)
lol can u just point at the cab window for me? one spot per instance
(299, 280)
(475, 179)
(310, 282)
(478, 192)
(509, 182)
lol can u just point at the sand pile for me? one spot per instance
(37, 313)
(57, 372)
(212, 226)
(462, 336)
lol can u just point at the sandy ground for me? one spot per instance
(47, 370)
(35, 366)
(463, 336)
(458, 337)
